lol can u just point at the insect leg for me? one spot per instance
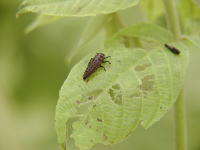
(103, 68)
(106, 62)
(107, 56)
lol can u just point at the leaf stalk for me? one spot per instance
(180, 117)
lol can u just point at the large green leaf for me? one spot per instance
(75, 7)
(139, 86)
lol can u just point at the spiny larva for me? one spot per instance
(172, 49)
(94, 64)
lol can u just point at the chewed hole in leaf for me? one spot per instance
(115, 94)
(85, 102)
(147, 83)
(83, 108)
(89, 97)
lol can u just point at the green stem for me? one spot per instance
(172, 18)
(180, 124)
(180, 118)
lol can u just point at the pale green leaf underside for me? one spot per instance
(139, 86)
(41, 20)
(75, 7)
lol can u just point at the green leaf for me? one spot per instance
(41, 20)
(197, 2)
(192, 27)
(75, 7)
(90, 31)
(143, 31)
(152, 8)
(188, 10)
(190, 16)
(139, 86)
(193, 42)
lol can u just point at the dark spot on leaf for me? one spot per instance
(93, 94)
(86, 122)
(105, 137)
(116, 86)
(99, 120)
(79, 9)
(90, 97)
(147, 83)
(78, 102)
(118, 99)
(110, 91)
(163, 108)
(142, 67)
(90, 126)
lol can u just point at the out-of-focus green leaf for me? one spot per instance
(192, 27)
(188, 10)
(197, 2)
(139, 86)
(193, 42)
(124, 16)
(144, 31)
(190, 16)
(93, 27)
(75, 7)
(41, 20)
(152, 8)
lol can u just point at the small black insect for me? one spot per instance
(173, 49)
(94, 64)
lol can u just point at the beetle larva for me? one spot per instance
(172, 49)
(94, 64)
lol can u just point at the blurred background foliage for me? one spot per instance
(32, 70)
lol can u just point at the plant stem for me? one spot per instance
(172, 18)
(180, 118)
(180, 123)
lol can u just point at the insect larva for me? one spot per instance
(94, 64)
(173, 49)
